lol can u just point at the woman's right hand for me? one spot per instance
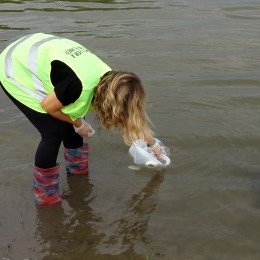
(158, 151)
(85, 129)
(158, 148)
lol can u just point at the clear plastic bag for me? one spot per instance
(143, 155)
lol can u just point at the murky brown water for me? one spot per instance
(200, 63)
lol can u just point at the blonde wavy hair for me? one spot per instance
(119, 102)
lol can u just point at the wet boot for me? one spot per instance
(46, 185)
(76, 160)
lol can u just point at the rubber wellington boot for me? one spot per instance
(76, 160)
(46, 185)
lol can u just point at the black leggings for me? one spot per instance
(53, 132)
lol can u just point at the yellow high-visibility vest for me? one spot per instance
(25, 67)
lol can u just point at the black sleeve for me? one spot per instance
(67, 85)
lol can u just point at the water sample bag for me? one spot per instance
(144, 156)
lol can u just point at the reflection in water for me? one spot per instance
(134, 222)
(73, 233)
(132, 225)
(68, 232)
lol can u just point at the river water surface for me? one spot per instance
(200, 64)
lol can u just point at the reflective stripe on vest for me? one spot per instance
(39, 93)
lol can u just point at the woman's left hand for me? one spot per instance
(85, 130)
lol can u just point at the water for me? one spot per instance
(199, 61)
